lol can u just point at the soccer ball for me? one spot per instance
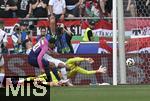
(130, 62)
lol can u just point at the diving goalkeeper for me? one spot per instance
(73, 65)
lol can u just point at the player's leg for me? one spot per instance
(2, 72)
(72, 73)
(32, 60)
(46, 65)
(54, 79)
(60, 64)
(55, 73)
(47, 69)
(2, 65)
(63, 71)
(43, 76)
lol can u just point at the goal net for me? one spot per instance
(137, 32)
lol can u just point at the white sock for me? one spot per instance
(64, 73)
(1, 79)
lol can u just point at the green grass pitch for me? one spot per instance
(101, 93)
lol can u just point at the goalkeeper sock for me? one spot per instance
(55, 72)
(2, 75)
(64, 73)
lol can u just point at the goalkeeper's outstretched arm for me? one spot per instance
(79, 59)
(88, 72)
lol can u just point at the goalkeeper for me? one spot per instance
(73, 65)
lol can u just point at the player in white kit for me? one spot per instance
(3, 41)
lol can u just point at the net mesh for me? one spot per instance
(137, 46)
(17, 65)
(140, 8)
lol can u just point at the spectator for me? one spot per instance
(63, 42)
(43, 32)
(32, 30)
(142, 8)
(91, 9)
(7, 8)
(25, 33)
(24, 30)
(108, 8)
(102, 4)
(131, 7)
(16, 38)
(38, 8)
(23, 8)
(57, 10)
(88, 34)
(3, 42)
(73, 7)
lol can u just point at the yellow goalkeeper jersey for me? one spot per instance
(71, 63)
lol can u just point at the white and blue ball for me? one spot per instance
(130, 62)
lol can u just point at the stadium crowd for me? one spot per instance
(68, 8)
(63, 8)
(22, 31)
(56, 11)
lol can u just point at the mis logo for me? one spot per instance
(26, 89)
